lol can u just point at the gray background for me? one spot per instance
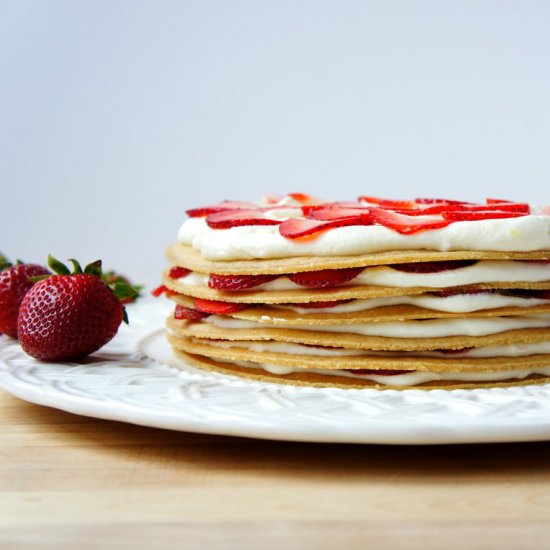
(116, 116)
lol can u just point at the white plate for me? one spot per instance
(135, 379)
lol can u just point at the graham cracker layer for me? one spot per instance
(355, 341)
(259, 314)
(305, 295)
(375, 362)
(185, 256)
(325, 381)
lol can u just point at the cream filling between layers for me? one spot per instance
(408, 379)
(485, 271)
(429, 328)
(508, 350)
(460, 303)
(526, 233)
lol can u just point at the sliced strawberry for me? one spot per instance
(405, 224)
(334, 213)
(189, 314)
(439, 201)
(295, 228)
(467, 215)
(528, 293)
(305, 199)
(381, 372)
(162, 289)
(216, 307)
(426, 211)
(225, 205)
(178, 272)
(235, 218)
(238, 282)
(388, 203)
(319, 305)
(159, 291)
(325, 277)
(432, 267)
(494, 201)
(500, 207)
(307, 208)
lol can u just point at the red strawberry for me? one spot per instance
(325, 277)
(468, 215)
(235, 218)
(319, 305)
(225, 205)
(295, 228)
(500, 207)
(337, 213)
(163, 289)
(238, 282)
(70, 315)
(438, 201)
(14, 284)
(177, 272)
(216, 307)
(405, 224)
(182, 312)
(307, 208)
(494, 201)
(388, 203)
(432, 267)
(423, 211)
(159, 291)
(305, 199)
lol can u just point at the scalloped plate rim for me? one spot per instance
(317, 429)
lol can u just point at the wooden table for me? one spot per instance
(73, 482)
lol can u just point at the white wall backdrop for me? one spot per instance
(117, 115)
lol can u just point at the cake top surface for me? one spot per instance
(302, 225)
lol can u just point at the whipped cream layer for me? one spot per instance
(459, 303)
(485, 271)
(408, 379)
(522, 234)
(429, 328)
(508, 350)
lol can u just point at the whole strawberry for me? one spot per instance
(71, 314)
(15, 282)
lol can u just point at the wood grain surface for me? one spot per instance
(68, 481)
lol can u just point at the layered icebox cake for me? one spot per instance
(424, 293)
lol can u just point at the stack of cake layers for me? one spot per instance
(385, 319)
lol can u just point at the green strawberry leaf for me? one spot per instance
(94, 269)
(57, 267)
(123, 291)
(77, 268)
